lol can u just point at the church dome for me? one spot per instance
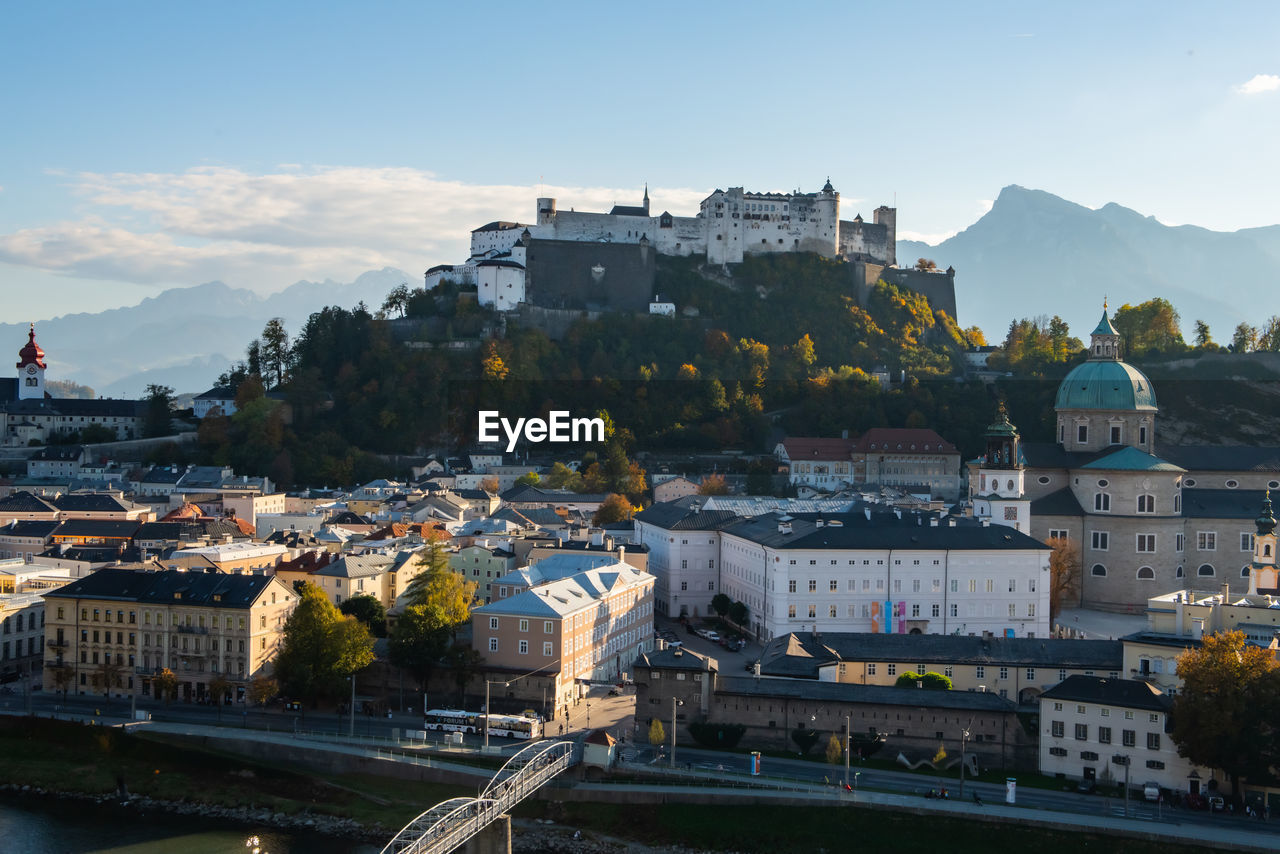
(1106, 384)
(31, 354)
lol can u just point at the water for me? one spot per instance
(53, 826)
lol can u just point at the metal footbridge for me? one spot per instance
(449, 824)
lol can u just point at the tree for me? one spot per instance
(929, 681)
(720, 604)
(1225, 716)
(1064, 576)
(615, 508)
(530, 479)
(657, 735)
(1269, 337)
(713, 484)
(219, 688)
(368, 610)
(1204, 339)
(835, 750)
(166, 685)
(262, 689)
(738, 613)
(975, 336)
(159, 413)
(321, 647)
(1149, 326)
(465, 663)
(926, 265)
(107, 676)
(805, 739)
(397, 299)
(440, 587)
(1244, 339)
(275, 352)
(563, 477)
(491, 484)
(420, 638)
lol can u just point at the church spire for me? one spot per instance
(646, 197)
(1105, 339)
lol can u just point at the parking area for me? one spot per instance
(732, 658)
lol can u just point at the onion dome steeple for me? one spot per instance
(31, 354)
(1266, 520)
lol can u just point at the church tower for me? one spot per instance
(1105, 340)
(1001, 495)
(31, 369)
(1263, 575)
(646, 198)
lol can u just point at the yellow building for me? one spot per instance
(114, 631)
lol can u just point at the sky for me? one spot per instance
(158, 145)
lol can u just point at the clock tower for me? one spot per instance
(31, 369)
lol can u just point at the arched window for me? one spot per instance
(1205, 569)
(1098, 569)
(1146, 572)
(1102, 502)
(1179, 573)
(1146, 503)
(1266, 550)
(1244, 571)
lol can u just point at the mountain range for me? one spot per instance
(1035, 253)
(183, 337)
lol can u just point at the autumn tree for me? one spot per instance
(491, 484)
(438, 586)
(713, 484)
(262, 690)
(1064, 576)
(657, 734)
(1227, 711)
(321, 647)
(1149, 326)
(615, 508)
(165, 685)
(530, 479)
(1244, 339)
(926, 265)
(975, 336)
(835, 750)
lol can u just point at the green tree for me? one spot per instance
(1269, 337)
(419, 640)
(563, 477)
(368, 610)
(530, 479)
(438, 586)
(657, 735)
(1204, 338)
(275, 352)
(738, 613)
(1245, 338)
(159, 412)
(930, 681)
(720, 604)
(615, 508)
(835, 750)
(321, 647)
(262, 690)
(1225, 715)
(1149, 326)
(804, 738)
(397, 299)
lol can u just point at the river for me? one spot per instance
(55, 826)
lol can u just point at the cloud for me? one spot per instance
(931, 238)
(266, 231)
(1259, 83)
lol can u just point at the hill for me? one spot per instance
(1035, 253)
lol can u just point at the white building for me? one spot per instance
(1091, 727)
(885, 571)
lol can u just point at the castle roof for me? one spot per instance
(497, 225)
(628, 210)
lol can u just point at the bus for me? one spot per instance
(451, 720)
(514, 726)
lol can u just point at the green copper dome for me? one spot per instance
(1106, 384)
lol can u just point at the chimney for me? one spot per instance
(1226, 593)
(622, 554)
(597, 537)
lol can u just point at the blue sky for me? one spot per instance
(154, 145)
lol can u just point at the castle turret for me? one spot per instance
(31, 369)
(888, 217)
(646, 198)
(546, 210)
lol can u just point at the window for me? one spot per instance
(1146, 573)
(684, 585)
(980, 672)
(1129, 738)
(791, 586)
(1142, 435)
(1104, 735)
(1153, 741)
(1128, 716)
(871, 669)
(915, 585)
(493, 644)
(948, 671)
(832, 612)
(1104, 711)
(524, 625)
(1205, 569)
(1058, 729)
(1054, 751)
(1115, 434)
(1100, 541)
(1102, 502)
(524, 647)
(1206, 541)
(1153, 717)
(1004, 673)
(1246, 541)
(813, 611)
(893, 670)
(711, 585)
(1082, 732)
(936, 610)
(1082, 434)
(493, 622)
(813, 585)
(955, 609)
(1057, 533)
(1147, 543)
(1179, 542)
(1013, 585)
(834, 586)
(1013, 610)
(1089, 756)
(1098, 570)
(546, 648)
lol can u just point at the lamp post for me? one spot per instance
(848, 746)
(351, 730)
(487, 683)
(674, 703)
(1119, 759)
(964, 738)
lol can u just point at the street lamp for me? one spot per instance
(964, 738)
(848, 746)
(1120, 759)
(674, 703)
(588, 715)
(351, 730)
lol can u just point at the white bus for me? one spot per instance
(451, 720)
(514, 726)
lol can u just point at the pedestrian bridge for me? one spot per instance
(452, 823)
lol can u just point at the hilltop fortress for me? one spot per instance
(579, 259)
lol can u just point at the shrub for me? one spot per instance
(717, 734)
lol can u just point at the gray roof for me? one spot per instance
(25, 502)
(1222, 503)
(881, 695)
(93, 502)
(882, 531)
(676, 659)
(801, 654)
(628, 210)
(357, 566)
(1232, 458)
(196, 588)
(40, 528)
(1060, 503)
(1126, 693)
(116, 528)
(680, 516)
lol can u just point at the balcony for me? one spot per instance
(56, 643)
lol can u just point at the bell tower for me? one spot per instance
(31, 368)
(1263, 574)
(1001, 495)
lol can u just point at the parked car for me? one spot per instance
(1216, 803)
(1151, 791)
(714, 637)
(1087, 787)
(675, 644)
